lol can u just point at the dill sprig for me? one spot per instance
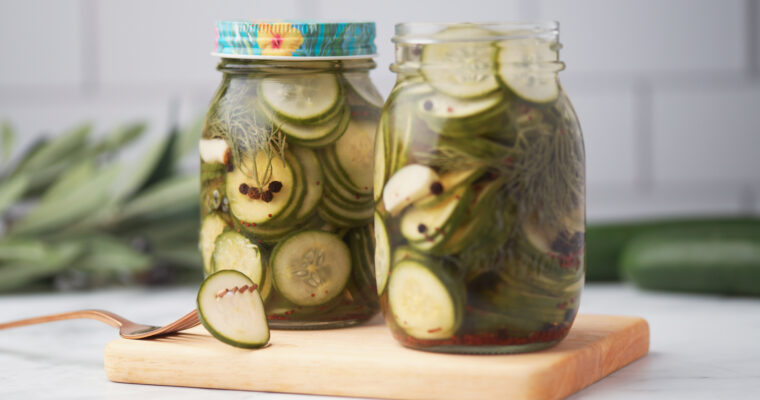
(549, 173)
(445, 159)
(237, 117)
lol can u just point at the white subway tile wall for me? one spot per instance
(668, 92)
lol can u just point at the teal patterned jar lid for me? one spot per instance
(295, 39)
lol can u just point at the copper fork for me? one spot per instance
(127, 328)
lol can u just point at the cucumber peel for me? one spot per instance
(231, 309)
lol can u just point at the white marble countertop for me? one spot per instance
(702, 347)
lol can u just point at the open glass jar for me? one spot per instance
(480, 190)
(286, 169)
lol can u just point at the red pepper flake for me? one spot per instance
(312, 295)
(326, 291)
(435, 330)
(318, 183)
(449, 109)
(270, 215)
(358, 197)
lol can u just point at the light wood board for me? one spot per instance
(366, 361)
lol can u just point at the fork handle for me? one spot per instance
(99, 315)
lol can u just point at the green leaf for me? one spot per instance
(16, 275)
(187, 142)
(122, 136)
(52, 152)
(70, 179)
(12, 190)
(137, 177)
(72, 205)
(7, 141)
(174, 194)
(23, 250)
(166, 166)
(107, 254)
(187, 256)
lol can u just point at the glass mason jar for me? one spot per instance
(480, 190)
(286, 169)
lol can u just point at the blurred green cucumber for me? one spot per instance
(713, 259)
(605, 242)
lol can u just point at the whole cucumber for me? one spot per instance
(718, 259)
(606, 241)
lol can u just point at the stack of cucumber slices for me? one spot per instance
(458, 252)
(288, 203)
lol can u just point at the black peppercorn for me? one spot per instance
(243, 188)
(428, 105)
(275, 186)
(422, 228)
(267, 196)
(436, 188)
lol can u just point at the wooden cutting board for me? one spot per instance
(366, 361)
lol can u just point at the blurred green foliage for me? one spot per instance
(72, 216)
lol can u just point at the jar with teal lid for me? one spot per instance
(480, 190)
(286, 168)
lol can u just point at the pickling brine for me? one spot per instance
(286, 169)
(480, 191)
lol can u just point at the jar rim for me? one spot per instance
(425, 32)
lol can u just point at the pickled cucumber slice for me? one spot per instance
(382, 254)
(301, 98)
(380, 167)
(354, 153)
(462, 118)
(212, 226)
(529, 68)
(234, 251)
(428, 224)
(448, 182)
(425, 302)
(408, 185)
(313, 135)
(459, 66)
(361, 84)
(258, 211)
(310, 267)
(314, 180)
(288, 216)
(231, 309)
